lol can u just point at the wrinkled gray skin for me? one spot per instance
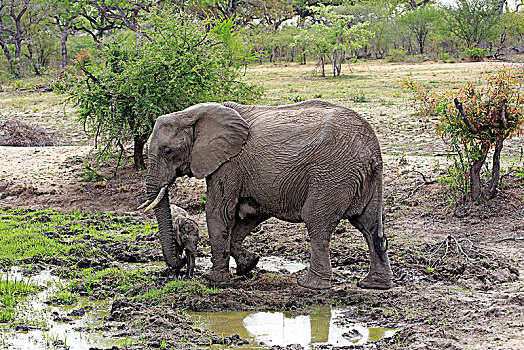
(312, 162)
(187, 231)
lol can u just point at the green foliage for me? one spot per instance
(189, 287)
(121, 89)
(474, 121)
(420, 23)
(334, 36)
(359, 96)
(397, 55)
(63, 296)
(476, 53)
(26, 233)
(472, 20)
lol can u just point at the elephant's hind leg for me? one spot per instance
(246, 260)
(320, 220)
(370, 223)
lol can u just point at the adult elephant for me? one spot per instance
(313, 162)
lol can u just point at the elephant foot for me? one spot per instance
(376, 281)
(250, 264)
(173, 273)
(217, 276)
(313, 280)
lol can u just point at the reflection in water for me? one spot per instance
(277, 328)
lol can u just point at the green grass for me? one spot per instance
(188, 287)
(26, 233)
(63, 296)
(11, 293)
(112, 280)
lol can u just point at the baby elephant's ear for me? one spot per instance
(219, 134)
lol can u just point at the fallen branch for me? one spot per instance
(446, 244)
(516, 239)
(418, 187)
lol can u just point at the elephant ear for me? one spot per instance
(219, 133)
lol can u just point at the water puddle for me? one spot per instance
(269, 263)
(266, 329)
(41, 326)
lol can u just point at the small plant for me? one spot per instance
(359, 96)
(298, 98)
(402, 160)
(11, 293)
(475, 121)
(203, 200)
(63, 296)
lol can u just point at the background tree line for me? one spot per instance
(36, 35)
(125, 62)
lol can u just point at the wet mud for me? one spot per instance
(458, 278)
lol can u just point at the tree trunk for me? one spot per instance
(30, 57)
(138, 152)
(63, 46)
(474, 174)
(334, 63)
(495, 173)
(340, 61)
(322, 62)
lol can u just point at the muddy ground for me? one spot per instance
(459, 272)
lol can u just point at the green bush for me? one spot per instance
(476, 53)
(180, 61)
(397, 55)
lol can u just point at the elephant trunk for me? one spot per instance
(170, 247)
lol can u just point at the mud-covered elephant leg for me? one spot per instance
(220, 238)
(246, 260)
(321, 220)
(221, 206)
(371, 224)
(318, 275)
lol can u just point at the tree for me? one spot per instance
(475, 121)
(64, 13)
(472, 20)
(17, 17)
(124, 87)
(334, 36)
(419, 21)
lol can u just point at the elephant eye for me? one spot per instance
(168, 151)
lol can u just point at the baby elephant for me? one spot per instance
(186, 232)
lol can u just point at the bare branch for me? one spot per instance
(503, 114)
(466, 121)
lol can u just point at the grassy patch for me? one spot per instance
(188, 287)
(26, 233)
(112, 281)
(11, 293)
(63, 296)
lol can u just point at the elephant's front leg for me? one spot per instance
(221, 206)
(246, 260)
(219, 238)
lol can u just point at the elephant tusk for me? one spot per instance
(143, 205)
(157, 199)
